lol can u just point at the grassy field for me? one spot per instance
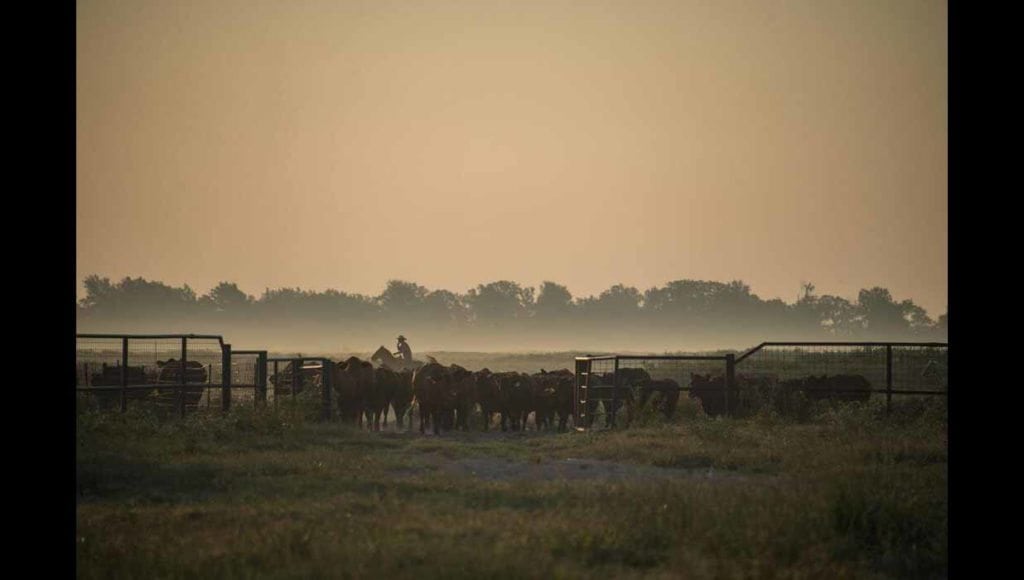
(849, 493)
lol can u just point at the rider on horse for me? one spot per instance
(404, 351)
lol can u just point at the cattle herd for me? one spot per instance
(453, 397)
(447, 396)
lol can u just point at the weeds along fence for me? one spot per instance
(177, 372)
(782, 375)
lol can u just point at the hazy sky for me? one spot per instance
(337, 144)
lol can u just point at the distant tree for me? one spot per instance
(554, 302)
(333, 305)
(227, 297)
(330, 306)
(837, 316)
(402, 298)
(917, 318)
(445, 306)
(805, 314)
(137, 297)
(499, 302)
(617, 303)
(884, 318)
(694, 306)
(281, 302)
(99, 293)
(700, 301)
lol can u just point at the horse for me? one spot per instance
(389, 361)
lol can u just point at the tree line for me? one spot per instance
(692, 307)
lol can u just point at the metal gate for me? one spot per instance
(169, 371)
(608, 382)
(728, 384)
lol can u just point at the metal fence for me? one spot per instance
(604, 383)
(856, 369)
(291, 376)
(770, 373)
(169, 371)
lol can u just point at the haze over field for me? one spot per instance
(343, 144)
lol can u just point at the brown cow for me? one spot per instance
(110, 376)
(487, 394)
(710, 391)
(545, 399)
(431, 387)
(463, 386)
(170, 374)
(835, 387)
(754, 391)
(514, 394)
(565, 385)
(386, 382)
(401, 400)
(353, 380)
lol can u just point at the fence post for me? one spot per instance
(261, 377)
(327, 384)
(124, 374)
(225, 378)
(184, 376)
(730, 379)
(296, 376)
(577, 387)
(888, 378)
(615, 391)
(277, 383)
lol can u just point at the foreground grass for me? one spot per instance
(255, 494)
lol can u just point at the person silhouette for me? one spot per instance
(403, 350)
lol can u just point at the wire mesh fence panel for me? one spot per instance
(611, 389)
(98, 363)
(784, 362)
(208, 355)
(159, 359)
(698, 378)
(920, 369)
(282, 382)
(245, 377)
(301, 386)
(791, 374)
(159, 372)
(790, 378)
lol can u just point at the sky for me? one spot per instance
(340, 144)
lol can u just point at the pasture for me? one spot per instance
(844, 492)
